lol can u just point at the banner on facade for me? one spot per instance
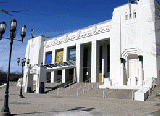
(59, 56)
(49, 58)
(72, 54)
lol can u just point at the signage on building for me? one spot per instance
(33, 71)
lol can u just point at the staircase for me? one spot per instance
(110, 93)
(67, 91)
(155, 94)
(91, 90)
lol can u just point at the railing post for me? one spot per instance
(69, 87)
(83, 90)
(77, 92)
(103, 94)
(133, 95)
(58, 92)
(97, 85)
(149, 92)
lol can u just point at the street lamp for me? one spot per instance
(23, 64)
(5, 110)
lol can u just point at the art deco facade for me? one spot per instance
(121, 52)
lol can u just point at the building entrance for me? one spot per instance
(59, 76)
(86, 63)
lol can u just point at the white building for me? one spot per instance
(121, 52)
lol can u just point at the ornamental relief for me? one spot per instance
(83, 35)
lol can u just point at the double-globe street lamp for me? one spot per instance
(13, 25)
(21, 81)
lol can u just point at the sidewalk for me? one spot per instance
(49, 105)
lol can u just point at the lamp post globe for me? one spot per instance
(23, 32)
(2, 29)
(13, 25)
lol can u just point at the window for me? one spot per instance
(134, 15)
(130, 15)
(126, 16)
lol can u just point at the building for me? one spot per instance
(121, 52)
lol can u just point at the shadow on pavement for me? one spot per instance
(81, 108)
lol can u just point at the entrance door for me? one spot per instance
(133, 71)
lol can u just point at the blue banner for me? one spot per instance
(48, 58)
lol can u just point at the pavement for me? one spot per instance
(50, 105)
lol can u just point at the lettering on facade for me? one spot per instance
(83, 35)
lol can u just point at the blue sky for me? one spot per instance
(50, 18)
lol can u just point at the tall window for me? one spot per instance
(134, 15)
(48, 57)
(126, 16)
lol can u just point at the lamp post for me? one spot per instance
(23, 64)
(5, 110)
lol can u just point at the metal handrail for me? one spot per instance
(88, 80)
(84, 89)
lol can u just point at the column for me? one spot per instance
(29, 84)
(41, 79)
(79, 63)
(53, 73)
(74, 75)
(140, 63)
(64, 60)
(95, 61)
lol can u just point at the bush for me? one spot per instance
(12, 77)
